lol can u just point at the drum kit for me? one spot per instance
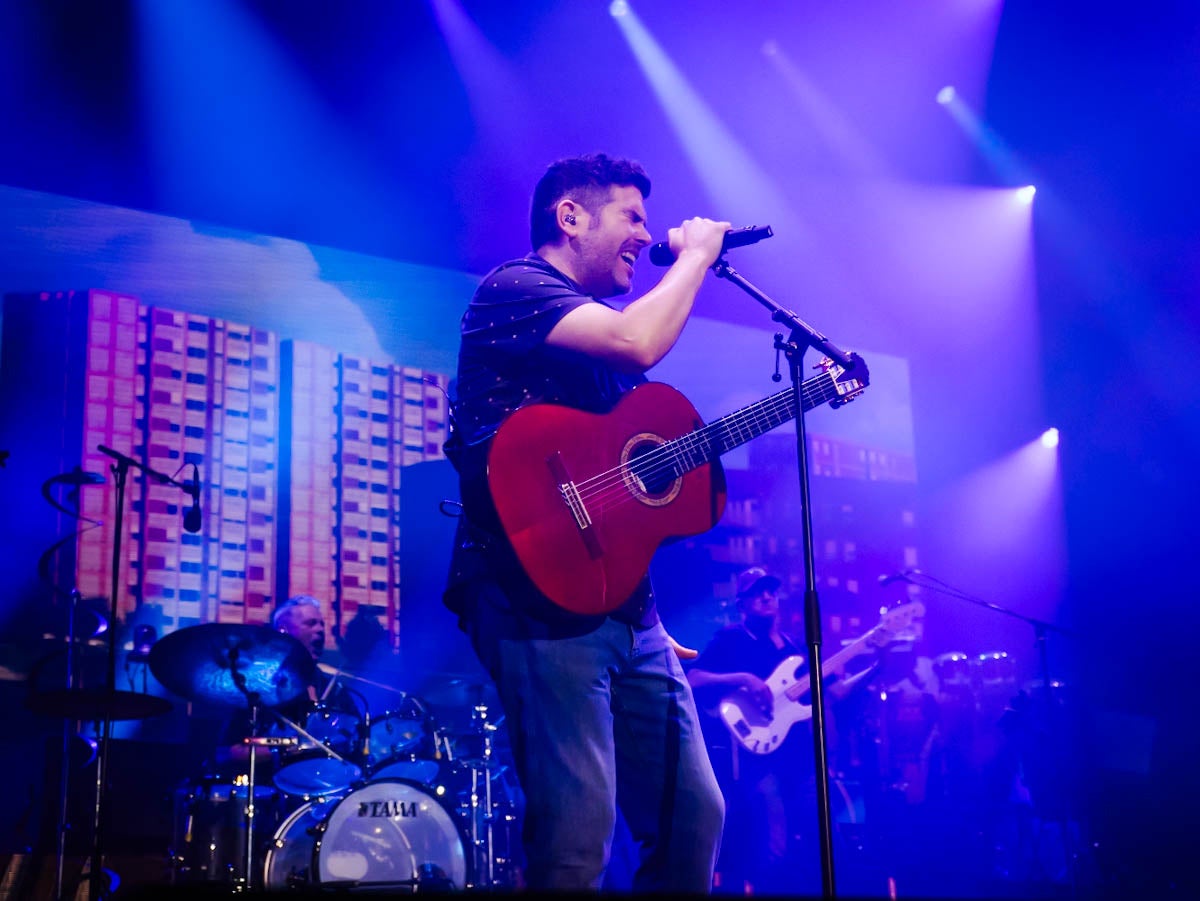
(336, 797)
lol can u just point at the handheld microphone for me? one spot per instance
(191, 519)
(662, 255)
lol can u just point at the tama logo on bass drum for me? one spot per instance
(387, 808)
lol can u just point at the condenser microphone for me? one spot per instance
(191, 519)
(661, 253)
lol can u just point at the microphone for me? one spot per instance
(191, 519)
(662, 255)
(898, 577)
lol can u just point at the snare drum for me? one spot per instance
(310, 770)
(389, 833)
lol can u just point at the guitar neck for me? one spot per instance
(722, 435)
(828, 665)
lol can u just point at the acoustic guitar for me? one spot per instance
(586, 499)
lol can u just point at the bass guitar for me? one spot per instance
(586, 499)
(759, 732)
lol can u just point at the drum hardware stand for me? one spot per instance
(252, 698)
(254, 742)
(483, 846)
(77, 479)
(64, 825)
(802, 337)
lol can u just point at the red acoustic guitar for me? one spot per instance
(586, 498)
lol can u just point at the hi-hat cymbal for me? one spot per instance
(96, 704)
(233, 664)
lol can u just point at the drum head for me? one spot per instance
(311, 770)
(315, 774)
(394, 733)
(391, 832)
(412, 769)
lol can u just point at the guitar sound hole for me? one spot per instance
(653, 474)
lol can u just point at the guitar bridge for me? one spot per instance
(569, 492)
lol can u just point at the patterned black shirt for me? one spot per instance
(504, 363)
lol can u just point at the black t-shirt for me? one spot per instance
(504, 363)
(734, 649)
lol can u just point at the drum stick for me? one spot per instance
(330, 670)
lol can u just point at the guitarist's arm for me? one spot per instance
(637, 337)
(706, 682)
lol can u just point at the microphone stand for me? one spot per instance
(801, 338)
(1040, 628)
(97, 887)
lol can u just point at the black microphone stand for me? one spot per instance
(97, 886)
(801, 338)
(1040, 628)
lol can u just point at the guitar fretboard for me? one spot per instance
(734, 429)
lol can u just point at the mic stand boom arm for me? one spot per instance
(801, 338)
(98, 889)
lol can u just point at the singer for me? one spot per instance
(598, 708)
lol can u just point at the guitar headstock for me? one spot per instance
(895, 621)
(849, 381)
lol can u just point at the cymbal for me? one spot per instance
(233, 664)
(443, 690)
(95, 704)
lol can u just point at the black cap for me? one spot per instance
(754, 580)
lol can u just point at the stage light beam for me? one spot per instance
(1050, 438)
(1025, 194)
(946, 95)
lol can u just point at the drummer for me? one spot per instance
(300, 617)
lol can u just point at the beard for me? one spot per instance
(759, 624)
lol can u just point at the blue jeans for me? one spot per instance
(596, 720)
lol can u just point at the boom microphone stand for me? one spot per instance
(801, 338)
(1040, 628)
(96, 880)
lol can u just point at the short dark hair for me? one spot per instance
(586, 180)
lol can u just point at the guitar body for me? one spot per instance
(750, 725)
(586, 547)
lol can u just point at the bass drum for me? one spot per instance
(289, 859)
(386, 834)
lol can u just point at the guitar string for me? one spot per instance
(608, 489)
(664, 458)
(650, 463)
